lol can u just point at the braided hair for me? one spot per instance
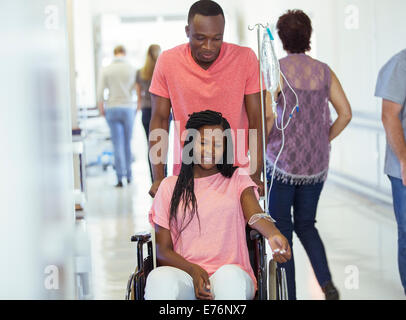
(184, 188)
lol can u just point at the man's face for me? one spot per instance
(205, 38)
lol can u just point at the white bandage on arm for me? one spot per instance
(259, 216)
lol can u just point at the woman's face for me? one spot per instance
(209, 147)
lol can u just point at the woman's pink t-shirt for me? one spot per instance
(221, 239)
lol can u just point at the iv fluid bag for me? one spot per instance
(270, 64)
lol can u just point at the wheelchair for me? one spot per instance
(275, 276)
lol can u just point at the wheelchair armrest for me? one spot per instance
(142, 237)
(255, 235)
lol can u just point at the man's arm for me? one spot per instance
(270, 117)
(394, 132)
(253, 107)
(159, 120)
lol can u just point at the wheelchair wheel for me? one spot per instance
(272, 281)
(129, 295)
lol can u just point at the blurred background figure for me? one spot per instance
(302, 168)
(391, 87)
(142, 83)
(119, 110)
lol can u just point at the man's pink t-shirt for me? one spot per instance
(221, 88)
(220, 239)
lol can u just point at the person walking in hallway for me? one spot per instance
(208, 73)
(119, 110)
(391, 87)
(302, 167)
(142, 84)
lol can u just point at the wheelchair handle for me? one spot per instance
(141, 237)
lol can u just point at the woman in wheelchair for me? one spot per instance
(200, 218)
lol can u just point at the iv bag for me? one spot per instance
(270, 64)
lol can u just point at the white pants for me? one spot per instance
(229, 282)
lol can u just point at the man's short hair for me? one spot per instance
(118, 50)
(207, 8)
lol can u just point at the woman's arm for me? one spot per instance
(166, 256)
(341, 105)
(279, 244)
(139, 97)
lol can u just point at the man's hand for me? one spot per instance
(280, 248)
(201, 283)
(154, 188)
(260, 184)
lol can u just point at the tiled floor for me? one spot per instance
(359, 234)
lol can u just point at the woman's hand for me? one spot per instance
(201, 283)
(280, 248)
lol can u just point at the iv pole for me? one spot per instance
(258, 26)
(262, 275)
(277, 283)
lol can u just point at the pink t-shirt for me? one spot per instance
(221, 88)
(221, 238)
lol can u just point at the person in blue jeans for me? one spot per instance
(121, 121)
(119, 110)
(391, 87)
(301, 169)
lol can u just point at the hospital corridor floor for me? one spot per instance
(359, 234)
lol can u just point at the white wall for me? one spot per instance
(36, 190)
(359, 53)
(84, 53)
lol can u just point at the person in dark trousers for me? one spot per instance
(302, 167)
(142, 83)
(391, 87)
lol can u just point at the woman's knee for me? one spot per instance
(232, 282)
(305, 228)
(168, 283)
(161, 285)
